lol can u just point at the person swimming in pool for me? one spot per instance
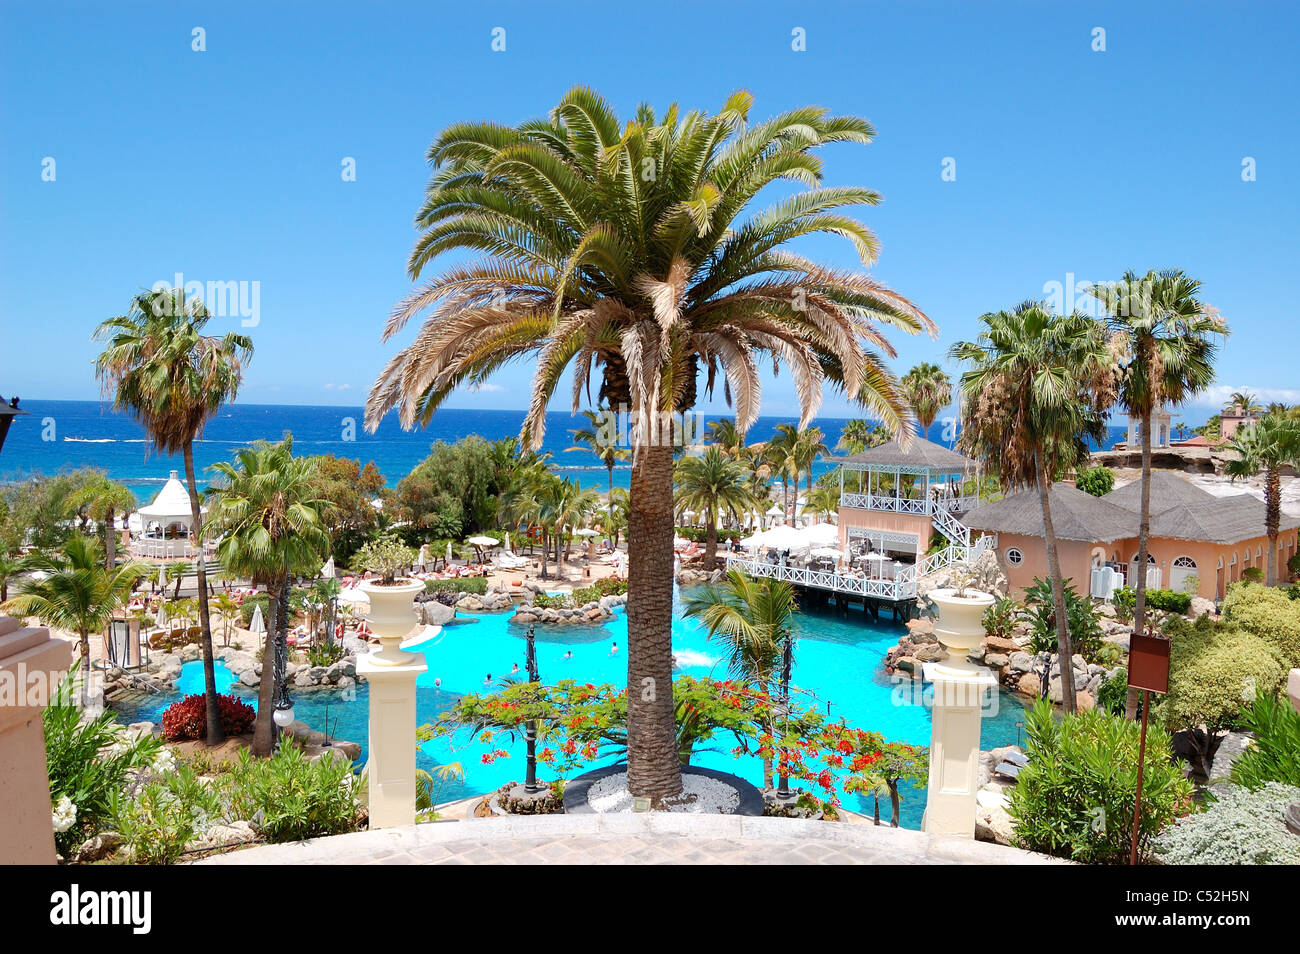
(569, 654)
(487, 680)
(613, 650)
(514, 669)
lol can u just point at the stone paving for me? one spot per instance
(635, 839)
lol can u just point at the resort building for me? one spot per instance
(1199, 543)
(1234, 419)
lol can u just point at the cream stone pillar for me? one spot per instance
(390, 675)
(960, 689)
(31, 665)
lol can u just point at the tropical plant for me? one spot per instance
(1267, 446)
(620, 249)
(1268, 613)
(1000, 619)
(74, 591)
(929, 391)
(429, 786)
(102, 500)
(859, 434)
(1038, 386)
(387, 558)
(754, 620)
(225, 604)
(1244, 403)
(264, 510)
(1274, 753)
(161, 367)
(712, 484)
(1076, 796)
(729, 440)
(597, 440)
(1166, 354)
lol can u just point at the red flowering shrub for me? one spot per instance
(188, 718)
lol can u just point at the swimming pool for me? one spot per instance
(838, 659)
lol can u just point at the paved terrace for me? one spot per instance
(636, 839)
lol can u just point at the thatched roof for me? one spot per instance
(919, 453)
(1167, 490)
(1075, 516)
(1215, 520)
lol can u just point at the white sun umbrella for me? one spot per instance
(586, 532)
(821, 535)
(161, 619)
(827, 553)
(876, 557)
(353, 594)
(753, 540)
(776, 511)
(784, 538)
(448, 558)
(424, 554)
(257, 624)
(327, 571)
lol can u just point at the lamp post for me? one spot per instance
(7, 413)
(530, 729)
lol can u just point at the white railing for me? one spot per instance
(919, 505)
(901, 586)
(163, 549)
(951, 527)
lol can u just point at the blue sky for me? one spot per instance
(224, 165)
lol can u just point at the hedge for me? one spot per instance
(1270, 614)
(1169, 601)
(467, 584)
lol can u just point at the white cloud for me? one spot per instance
(1216, 396)
(336, 387)
(484, 388)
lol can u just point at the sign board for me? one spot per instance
(1148, 663)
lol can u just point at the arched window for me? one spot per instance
(1015, 557)
(1186, 562)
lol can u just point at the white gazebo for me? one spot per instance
(164, 528)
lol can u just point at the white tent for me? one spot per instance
(784, 538)
(776, 511)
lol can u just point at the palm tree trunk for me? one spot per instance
(263, 727)
(653, 768)
(1064, 651)
(215, 735)
(546, 554)
(85, 669)
(893, 802)
(609, 466)
(710, 537)
(1272, 517)
(1144, 536)
(110, 542)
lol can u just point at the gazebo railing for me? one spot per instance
(917, 505)
(900, 587)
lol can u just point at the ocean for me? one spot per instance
(62, 435)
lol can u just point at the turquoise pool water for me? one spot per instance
(838, 659)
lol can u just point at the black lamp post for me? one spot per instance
(530, 729)
(282, 715)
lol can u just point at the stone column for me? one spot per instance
(31, 664)
(960, 689)
(390, 767)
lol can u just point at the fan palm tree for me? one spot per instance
(102, 500)
(859, 434)
(78, 593)
(712, 484)
(1268, 445)
(161, 367)
(1039, 384)
(592, 440)
(754, 619)
(782, 454)
(929, 391)
(1167, 355)
(729, 440)
(624, 251)
(1244, 401)
(263, 507)
(808, 446)
(824, 498)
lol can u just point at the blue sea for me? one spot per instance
(63, 435)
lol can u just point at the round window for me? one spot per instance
(1015, 557)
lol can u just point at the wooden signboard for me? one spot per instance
(1148, 663)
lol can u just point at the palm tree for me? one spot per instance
(160, 366)
(783, 457)
(622, 251)
(9, 569)
(823, 499)
(859, 435)
(265, 510)
(1038, 385)
(928, 391)
(808, 446)
(1245, 401)
(225, 605)
(712, 484)
(603, 446)
(754, 619)
(102, 500)
(1167, 356)
(78, 594)
(730, 441)
(1268, 445)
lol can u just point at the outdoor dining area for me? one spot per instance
(818, 548)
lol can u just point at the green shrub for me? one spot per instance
(1293, 564)
(159, 820)
(1252, 574)
(250, 604)
(88, 763)
(1215, 670)
(1000, 619)
(1098, 481)
(1085, 630)
(1168, 601)
(1113, 694)
(1241, 827)
(545, 601)
(293, 798)
(470, 584)
(1124, 600)
(1274, 756)
(609, 586)
(387, 558)
(1268, 613)
(1075, 797)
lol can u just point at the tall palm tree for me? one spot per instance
(1245, 401)
(1039, 384)
(823, 499)
(162, 368)
(729, 440)
(1268, 445)
(808, 446)
(77, 593)
(1167, 355)
(624, 251)
(593, 440)
(712, 484)
(264, 509)
(755, 620)
(102, 500)
(782, 455)
(929, 391)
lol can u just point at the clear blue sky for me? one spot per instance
(225, 164)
